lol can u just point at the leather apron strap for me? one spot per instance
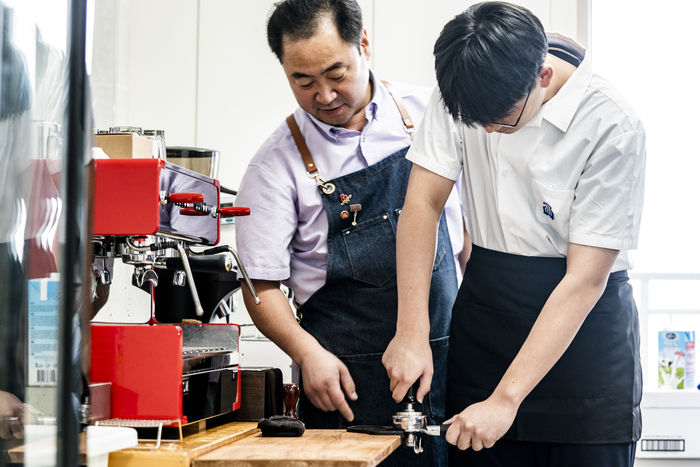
(311, 168)
(407, 122)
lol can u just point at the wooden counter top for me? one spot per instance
(315, 448)
(181, 454)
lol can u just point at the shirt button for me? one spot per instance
(506, 224)
(504, 173)
(363, 139)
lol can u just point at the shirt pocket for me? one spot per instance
(371, 248)
(553, 209)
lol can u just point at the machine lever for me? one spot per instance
(234, 211)
(185, 198)
(215, 264)
(245, 276)
(192, 212)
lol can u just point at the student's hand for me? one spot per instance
(327, 381)
(482, 424)
(406, 359)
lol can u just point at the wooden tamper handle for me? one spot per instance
(291, 397)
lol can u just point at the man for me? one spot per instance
(325, 227)
(544, 340)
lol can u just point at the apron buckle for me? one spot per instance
(328, 188)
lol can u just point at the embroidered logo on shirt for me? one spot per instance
(547, 209)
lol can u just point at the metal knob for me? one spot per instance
(179, 278)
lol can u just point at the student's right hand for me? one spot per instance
(327, 381)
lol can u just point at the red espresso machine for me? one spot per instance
(148, 217)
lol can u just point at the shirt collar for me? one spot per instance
(379, 95)
(560, 109)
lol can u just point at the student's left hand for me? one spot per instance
(482, 424)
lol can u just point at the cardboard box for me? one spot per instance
(43, 298)
(125, 146)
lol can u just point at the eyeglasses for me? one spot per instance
(519, 117)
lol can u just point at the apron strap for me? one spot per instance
(301, 144)
(407, 122)
(311, 169)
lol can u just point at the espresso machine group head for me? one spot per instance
(149, 214)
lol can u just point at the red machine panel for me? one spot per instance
(140, 197)
(144, 365)
(127, 196)
(166, 371)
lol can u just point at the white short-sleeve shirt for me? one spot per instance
(574, 173)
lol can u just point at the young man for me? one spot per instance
(327, 230)
(544, 340)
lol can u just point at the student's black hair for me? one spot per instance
(299, 19)
(487, 59)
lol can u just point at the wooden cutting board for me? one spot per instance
(315, 448)
(181, 454)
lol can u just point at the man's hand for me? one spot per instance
(327, 381)
(406, 359)
(481, 425)
(11, 412)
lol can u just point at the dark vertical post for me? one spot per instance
(72, 257)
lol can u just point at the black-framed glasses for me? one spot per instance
(519, 116)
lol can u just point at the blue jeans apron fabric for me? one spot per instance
(590, 396)
(354, 314)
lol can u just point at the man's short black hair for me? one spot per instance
(487, 59)
(299, 19)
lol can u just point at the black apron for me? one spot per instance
(590, 396)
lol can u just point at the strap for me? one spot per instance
(306, 154)
(407, 122)
(311, 169)
(301, 145)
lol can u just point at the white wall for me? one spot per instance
(202, 71)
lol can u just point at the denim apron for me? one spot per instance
(590, 396)
(354, 314)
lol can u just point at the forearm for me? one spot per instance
(415, 248)
(558, 323)
(415, 252)
(274, 318)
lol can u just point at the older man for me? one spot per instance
(325, 191)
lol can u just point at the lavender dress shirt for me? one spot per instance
(285, 237)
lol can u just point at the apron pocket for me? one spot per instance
(583, 371)
(371, 247)
(483, 342)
